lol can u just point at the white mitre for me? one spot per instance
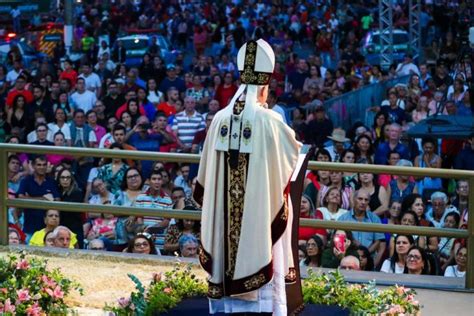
(255, 61)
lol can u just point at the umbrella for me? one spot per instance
(444, 126)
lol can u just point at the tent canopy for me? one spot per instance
(444, 126)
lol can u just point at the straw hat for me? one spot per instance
(339, 135)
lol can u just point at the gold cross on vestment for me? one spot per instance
(237, 192)
(238, 107)
(214, 291)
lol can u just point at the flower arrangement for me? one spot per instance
(28, 288)
(164, 292)
(332, 289)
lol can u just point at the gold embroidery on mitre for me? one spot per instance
(235, 195)
(249, 75)
(255, 282)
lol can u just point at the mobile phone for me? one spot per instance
(340, 243)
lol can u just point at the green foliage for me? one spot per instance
(164, 292)
(360, 299)
(27, 287)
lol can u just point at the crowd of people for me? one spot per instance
(168, 107)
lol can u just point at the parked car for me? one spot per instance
(27, 52)
(137, 45)
(371, 46)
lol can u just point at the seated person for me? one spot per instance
(51, 220)
(62, 237)
(188, 246)
(350, 263)
(13, 237)
(103, 228)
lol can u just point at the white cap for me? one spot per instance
(256, 61)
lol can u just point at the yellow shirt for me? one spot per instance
(38, 239)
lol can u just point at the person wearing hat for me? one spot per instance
(339, 139)
(247, 161)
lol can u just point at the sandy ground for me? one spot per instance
(105, 280)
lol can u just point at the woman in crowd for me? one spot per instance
(63, 103)
(378, 203)
(131, 187)
(126, 120)
(314, 250)
(70, 192)
(414, 202)
(182, 227)
(401, 187)
(445, 245)
(341, 245)
(142, 244)
(380, 120)
(349, 178)
(428, 159)
(317, 179)
(154, 95)
(113, 173)
(17, 115)
(364, 149)
(56, 159)
(336, 181)
(458, 270)
(417, 261)
(167, 185)
(60, 125)
(396, 264)
(331, 209)
(307, 210)
(421, 111)
(51, 221)
(313, 79)
(392, 217)
(199, 93)
(226, 90)
(14, 237)
(365, 259)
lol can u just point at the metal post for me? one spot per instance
(470, 239)
(414, 11)
(68, 25)
(386, 33)
(3, 198)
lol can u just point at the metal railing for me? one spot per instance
(5, 202)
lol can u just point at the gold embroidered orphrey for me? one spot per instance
(249, 75)
(236, 192)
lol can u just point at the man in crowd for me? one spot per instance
(350, 263)
(393, 143)
(83, 99)
(319, 128)
(19, 89)
(37, 186)
(375, 242)
(62, 237)
(92, 80)
(186, 124)
(188, 246)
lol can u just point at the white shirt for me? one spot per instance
(452, 271)
(407, 69)
(328, 216)
(106, 141)
(386, 267)
(12, 75)
(154, 97)
(93, 82)
(54, 128)
(84, 101)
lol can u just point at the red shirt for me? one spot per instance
(223, 95)
(12, 94)
(123, 108)
(305, 233)
(167, 108)
(70, 75)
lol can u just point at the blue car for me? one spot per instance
(27, 52)
(137, 45)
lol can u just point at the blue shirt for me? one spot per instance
(34, 218)
(384, 149)
(151, 142)
(365, 238)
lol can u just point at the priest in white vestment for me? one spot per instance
(243, 185)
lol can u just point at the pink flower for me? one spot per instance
(9, 307)
(167, 290)
(33, 310)
(410, 297)
(4, 290)
(48, 281)
(22, 265)
(123, 302)
(132, 307)
(23, 295)
(58, 293)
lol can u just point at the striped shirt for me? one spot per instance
(186, 126)
(161, 202)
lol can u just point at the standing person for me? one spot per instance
(40, 187)
(256, 168)
(70, 192)
(16, 17)
(187, 123)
